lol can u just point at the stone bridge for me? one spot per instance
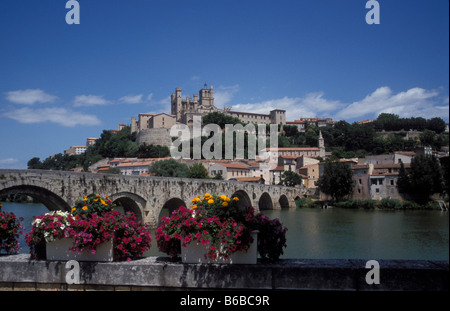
(145, 196)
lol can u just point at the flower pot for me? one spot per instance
(195, 253)
(61, 250)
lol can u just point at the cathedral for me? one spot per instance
(183, 111)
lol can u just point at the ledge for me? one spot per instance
(18, 272)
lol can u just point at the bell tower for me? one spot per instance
(206, 97)
(321, 145)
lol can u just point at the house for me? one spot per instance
(229, 170)
(376, 181)
(392, 158)
(361, 181)
(75, 150)
(254, 180)
(310, 174)
(312, 152)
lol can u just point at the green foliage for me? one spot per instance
(355, 204)
(424, 179)
(337, 180)
(92, 204)
(109, 145)
(198, 171)
(169, 168)
(391, 204)
(306, 202)
(220, 119)
(290, 179)
(152, 151)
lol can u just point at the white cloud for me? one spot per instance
(131, 99)
(29, 97)
(415, 102)
(311, 105)
(59, 116)
(89, 100)
(162, 105)
(224, 94)
(8, 161)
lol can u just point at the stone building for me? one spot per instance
(183, 111)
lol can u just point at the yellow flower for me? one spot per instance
(207, 194)
(85, 198)
(224, 198)
(210, 201)
(225, 204)
(195, 200)
(236, 199)
(98, 195)
(194, 206)
(85, 208)
(74, 209)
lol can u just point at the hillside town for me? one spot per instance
(375, 176)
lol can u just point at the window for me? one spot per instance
(392, 182)
(360, 181)
(377, 190)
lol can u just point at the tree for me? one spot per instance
(169, 168)
(337, 180)
(34, 164)
(290, 179)
(424, 179)
(403, 181)
(436, 125)
(220, 119)
(152, 151)
(198, 171)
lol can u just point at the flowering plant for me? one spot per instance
(219, 223)
(92, 204)
(10, 229)
(88, 229)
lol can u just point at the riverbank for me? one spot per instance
(18, 272)
(384, 204)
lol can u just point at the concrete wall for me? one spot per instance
(18, 273)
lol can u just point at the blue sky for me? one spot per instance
(60, 83)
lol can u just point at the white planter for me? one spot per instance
(195, 253)
(61, 250)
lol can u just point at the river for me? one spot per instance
(335, 233)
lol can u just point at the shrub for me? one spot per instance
(10, 230)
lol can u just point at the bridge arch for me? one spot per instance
(51, 200)
(284, 202)
(130, 202)
(244, 198)
(173, 204)
(265, 202)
